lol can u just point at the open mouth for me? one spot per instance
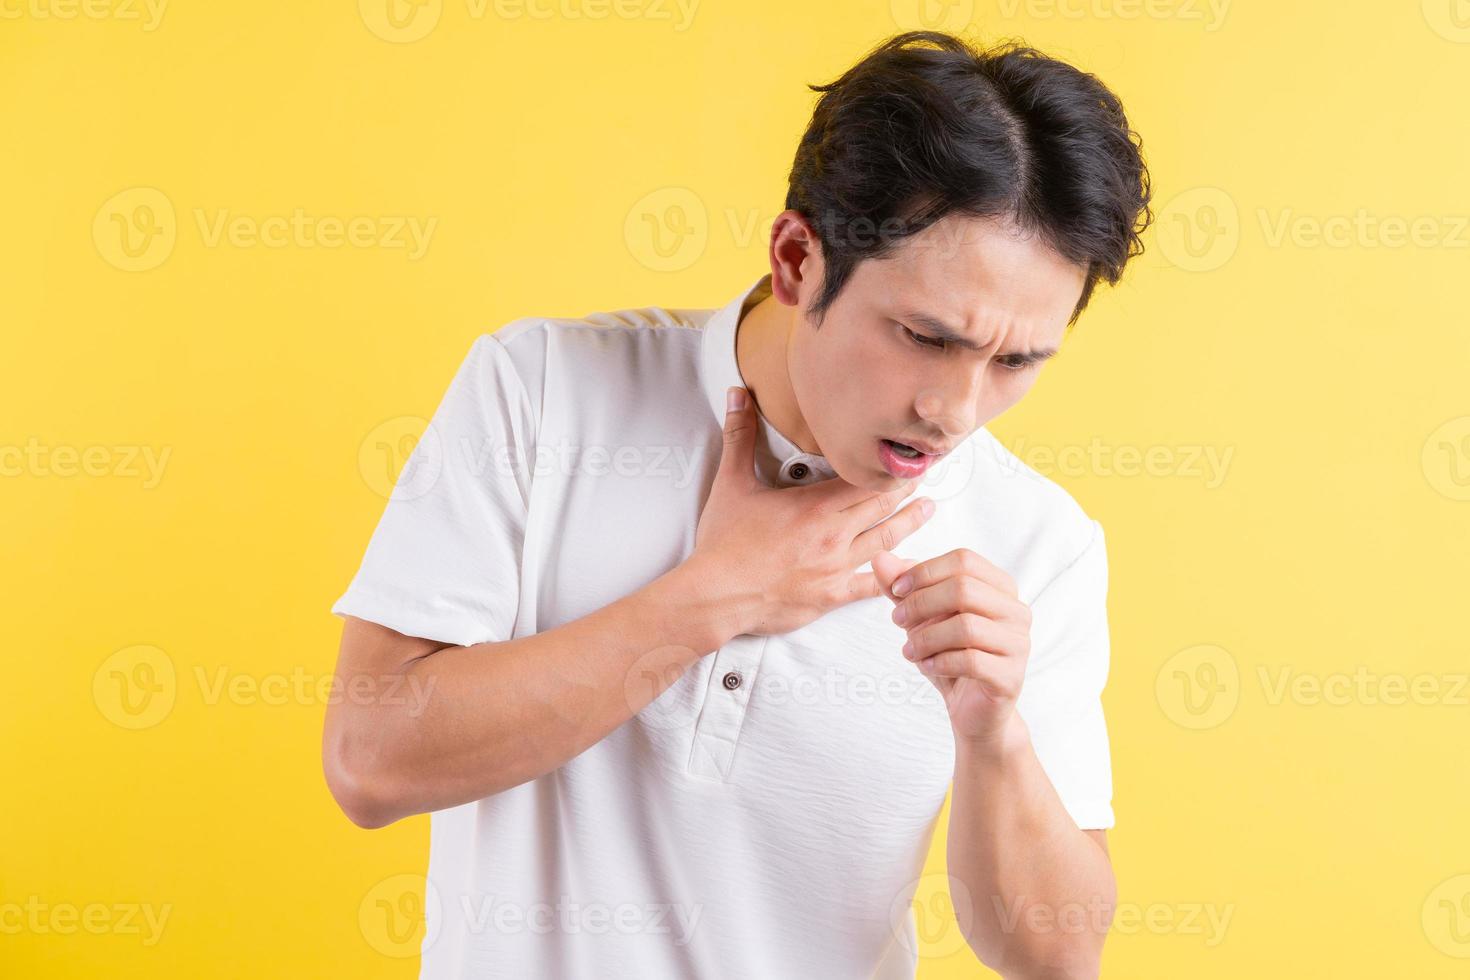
(907, 451)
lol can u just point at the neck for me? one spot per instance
(762, 347)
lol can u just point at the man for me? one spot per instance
(701, 676)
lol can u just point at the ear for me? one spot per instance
(886, 567)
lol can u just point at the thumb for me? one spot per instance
(737, 457)
(886, 567)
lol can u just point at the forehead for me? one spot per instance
(980, 274)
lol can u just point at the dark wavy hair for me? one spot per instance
(927, 124)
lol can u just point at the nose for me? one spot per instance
(952, 404)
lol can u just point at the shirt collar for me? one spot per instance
(778, 461)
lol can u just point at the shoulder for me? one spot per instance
(599, 358)
(601, 333)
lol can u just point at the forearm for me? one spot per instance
(494, 715)
(1041, 891)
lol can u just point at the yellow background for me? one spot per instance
(1326, 831)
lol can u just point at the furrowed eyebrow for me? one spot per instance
(942, 331)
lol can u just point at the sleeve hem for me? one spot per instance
(459, 630)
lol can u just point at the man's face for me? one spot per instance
(876, 370)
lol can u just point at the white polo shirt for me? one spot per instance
(769, 814)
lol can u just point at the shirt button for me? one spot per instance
(731, 681)
(799, 471)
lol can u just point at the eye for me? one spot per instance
(1015, 365)
(922, 341)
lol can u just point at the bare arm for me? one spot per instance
(420, 725)
(1041, 892)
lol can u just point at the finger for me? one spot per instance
(888, 568)
(837, 494)
(962, 631)
(737, 457)
(886, 535)
(960, 561)
(957, 594)
(972, 664)
(866, 513)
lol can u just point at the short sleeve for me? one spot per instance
(444, 561)
(1061, 697)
